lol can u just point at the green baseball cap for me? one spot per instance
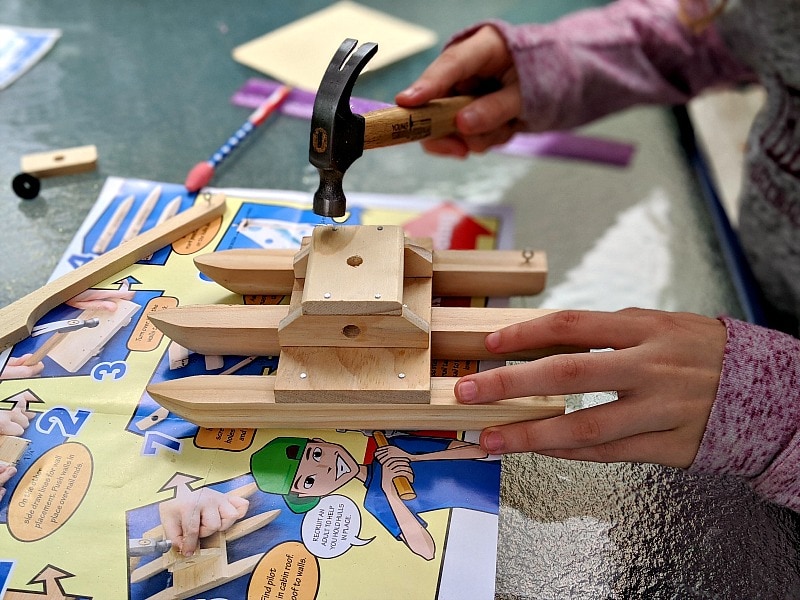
(274, 468)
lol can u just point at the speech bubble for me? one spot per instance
(287, 572)
(331, 528)
(50, 492)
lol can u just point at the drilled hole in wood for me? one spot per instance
(355, 260)
(59, 157)
(351, 331)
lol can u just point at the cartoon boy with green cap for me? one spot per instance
(303, 470)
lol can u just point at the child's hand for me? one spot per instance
(195, 514)
(17, 369)
(15, 421)
(470, 66)
(100, 299)
(665, 369)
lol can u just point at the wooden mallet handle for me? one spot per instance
(398, 125)
(401, 483)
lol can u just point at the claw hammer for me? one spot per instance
(339, 137)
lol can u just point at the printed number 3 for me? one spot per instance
(109, 370)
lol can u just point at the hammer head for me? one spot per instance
(337, 135)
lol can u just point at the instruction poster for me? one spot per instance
(102, 487)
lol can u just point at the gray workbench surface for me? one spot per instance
(149, 83)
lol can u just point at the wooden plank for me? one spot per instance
(355, 270)
(456, 333)
(248, 401)
(257, 272)
(353, 375)
(498, 273)
(11, 449)
(66, 161)
(474, 273)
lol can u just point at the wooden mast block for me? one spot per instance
(356, 270)
(363, 352)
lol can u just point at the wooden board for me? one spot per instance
(478, 273)
(456, 333)
(248, 401)
(66, 161)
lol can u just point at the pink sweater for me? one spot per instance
(595, 62)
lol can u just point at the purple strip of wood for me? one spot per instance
(559, 144)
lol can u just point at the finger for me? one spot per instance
(228, 515)
(598, 425)
(550, 376)
(669, 448)
(19, 417)
(6, 473)
(482, 143)
(190, 529)
(490, 112)
(241, 504)
(482, 54)
(451, 146)
(587, 329)
(210, 520)
(11, 428)
(171, 522)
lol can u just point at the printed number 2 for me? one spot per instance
(61, 419)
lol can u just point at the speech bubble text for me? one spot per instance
(331, 528)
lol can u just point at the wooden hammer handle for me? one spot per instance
(398, 125)
(401, 484)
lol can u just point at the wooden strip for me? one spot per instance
(497, 273)
(474, 273)
(17, 319)
(66, 161)
(248, 401)
(456, 333)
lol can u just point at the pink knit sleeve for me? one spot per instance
(595, 62)
(754, 428)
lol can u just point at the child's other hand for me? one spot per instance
(195, 514)
(15, 421)
(665, 369)
(471, 66)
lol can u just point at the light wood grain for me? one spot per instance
(456, 333)
(355, 270)
(17, 319)
(248, 401)
(478, 273)
(398, 125)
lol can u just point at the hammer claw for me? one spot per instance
(336, 133)
(339, 137)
